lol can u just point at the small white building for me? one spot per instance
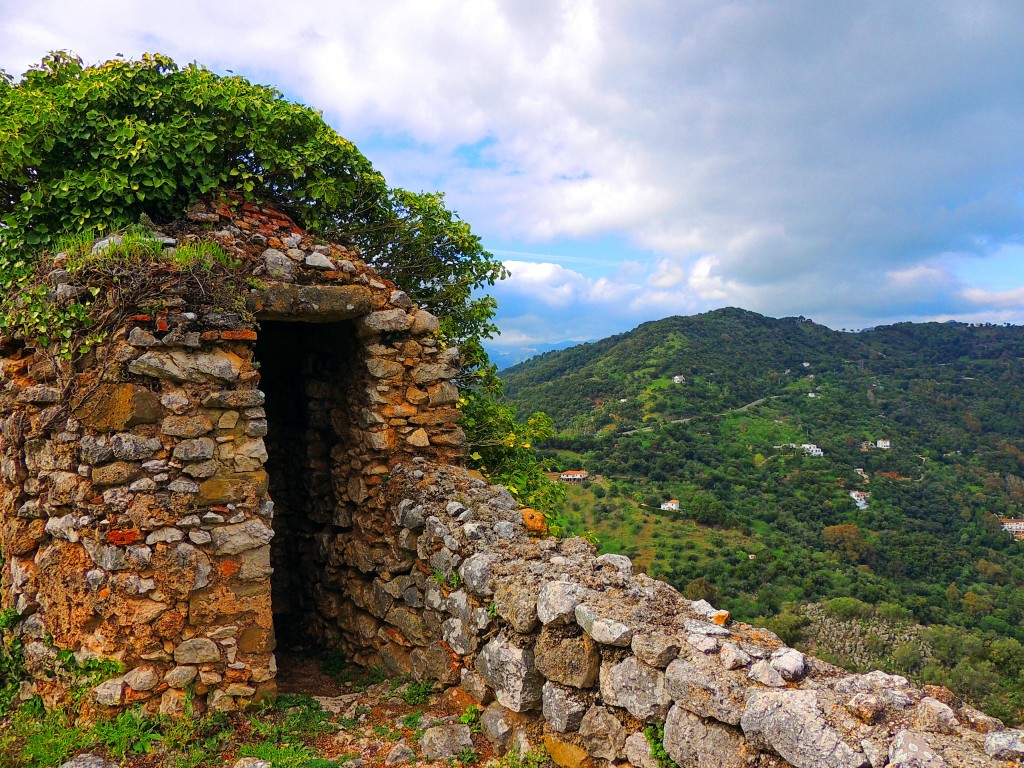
(864, 475)
(574, 476)
(860, 498)
(810, 449)
(885, 445)
(678, 379)
(672, 505)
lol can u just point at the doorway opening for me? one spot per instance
(307, 374)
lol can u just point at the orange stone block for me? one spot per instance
(720, 617)
(123, 537)
(229, 568)
(534, 520)
(240, 335)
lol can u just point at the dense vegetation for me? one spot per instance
(927, 547)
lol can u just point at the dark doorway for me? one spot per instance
(305, 372)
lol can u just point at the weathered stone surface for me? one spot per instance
(476, 572)
(109, 407)
(564, 707)
(565, 753)
(142, 679)
(118, 473)
(911, 750)
(655, 647)
(198, 449)
(733, 657)
(557, 601)
(636, 687)
(1005, 745)
(424, 323)
(311, 303)
(516, 602)
(699, 687)
(569, 659)
(198, 650)
(179, 365)
(699, 743)
(790, 723)
(385, 321)
(129, 447)
(444, 741)
(604, 630)
(764, 673)
(511, 672)
(233, 539)
(88, 760)
(934, 716)
(638, 751)
(602, 733)
(789, 663)
(496, 725)
(186, 426)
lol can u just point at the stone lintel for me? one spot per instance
(310, 303)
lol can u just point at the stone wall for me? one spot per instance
(580, 653)
(137, 506)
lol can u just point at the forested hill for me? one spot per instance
(731, 357)
(761, 522)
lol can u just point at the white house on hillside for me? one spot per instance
(883, 444)
(810, 449)
(574, 476)
(672, 504)
(678, 379)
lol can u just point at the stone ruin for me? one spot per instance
(218, 486)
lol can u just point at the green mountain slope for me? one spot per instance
(925, 543)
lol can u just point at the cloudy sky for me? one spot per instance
(852, 162)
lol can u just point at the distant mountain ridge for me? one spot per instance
(739, 350)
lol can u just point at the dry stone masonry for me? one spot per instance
(229, 484)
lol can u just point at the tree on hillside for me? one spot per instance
(96, 148)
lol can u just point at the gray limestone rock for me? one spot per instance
(789, 663)
(698, 686)
(198, 449)
(278, 265)
(385, 321)
(638, 751)
(511, 672)
(935, 717)
(699, 743)
(476, 572)
(791, 724)
(129, 447)
(496, 726)
(444, 741)
(557, 601)
(605, 631)
(1005, 745)
(655, 647)
(911, 750)
(564, 707)
(181, 365)
(764, 673)
(602, 733)
(233, 539)
(198, 650)
(142, 679)
(636, 687)
(319, 261)
(733, 657)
